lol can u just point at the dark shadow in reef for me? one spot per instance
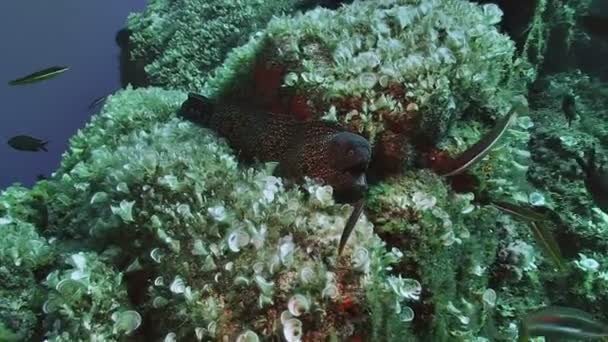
(588, 50)
(516, 18)
(589, 47)
(131, 70)
(306, 5)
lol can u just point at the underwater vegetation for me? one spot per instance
(211, 206)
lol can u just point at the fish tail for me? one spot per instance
(43, 146)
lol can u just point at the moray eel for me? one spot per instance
(316, 149)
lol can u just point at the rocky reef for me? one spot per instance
(152, 230)
(180, 42)
(583, 227)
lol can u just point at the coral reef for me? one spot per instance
(151, 229)
(180, 42)
(25, 257)
(399, 72)
(159, 218)
(583, 228)
(158, 233)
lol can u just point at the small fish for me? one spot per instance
(543, 236)
(97, 101)
(39, 76)
(561, 322)
(350, 225)
(480, 149)
(40, 177)
(523, 212)
(27, 143)
(596, 180)
(569, 107)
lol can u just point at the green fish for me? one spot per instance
(27, 143)
(479, 150)
(39, 76)
(561, 322)
(542, 235)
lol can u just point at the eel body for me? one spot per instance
(317, 149)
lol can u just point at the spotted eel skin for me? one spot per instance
(316, 149)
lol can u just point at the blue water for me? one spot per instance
(36, 35)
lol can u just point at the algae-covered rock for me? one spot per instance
(583, 227)
(152, 230)
(398, 72)
(87, 299)
(165, 235)
(181, 42)
(25, 256)
(173, 238)
(453, 246)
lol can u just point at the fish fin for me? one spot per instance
(350, 224)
